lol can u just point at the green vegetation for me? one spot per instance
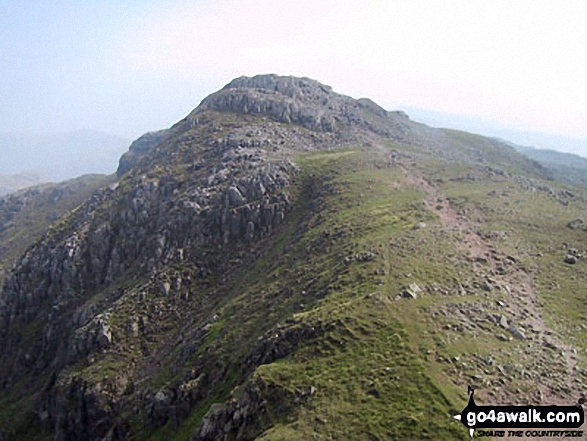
(26, 215)
(565, 167)
(388, 277)
(370, 380)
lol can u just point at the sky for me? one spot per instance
(127, 67)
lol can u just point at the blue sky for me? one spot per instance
(132, 66)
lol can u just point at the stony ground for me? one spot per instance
(288, 263)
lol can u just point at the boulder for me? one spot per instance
(235, 197)
(516, 333)
(570, 259)
(574, 224)
(503, 321)
(104, 337)
(419, 226)
(410, 291)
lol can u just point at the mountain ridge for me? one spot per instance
(10, 183)
(26, 214)
(566, 167)
(269, 267)
(492, 128)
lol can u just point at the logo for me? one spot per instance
(522, 417)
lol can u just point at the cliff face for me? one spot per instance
(247, 261)
(298, 101)
(139, 147)
(26, 215)
(188, 197)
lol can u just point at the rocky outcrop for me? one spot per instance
(78, 410)
(299, 101)
(139, 148)
(155, 217)
(122, 308)
(188, 203)
(243, 418)
(27, 214)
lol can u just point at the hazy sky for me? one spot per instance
(126, 67)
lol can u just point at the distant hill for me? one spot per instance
(11, 183)
(569, 168)
(61, 156)
(473, 124)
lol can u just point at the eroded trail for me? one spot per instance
(508, 315)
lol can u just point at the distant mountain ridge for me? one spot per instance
(553, 156)
(473, 124)
(61, 156)
(566, 167)
(10, 183)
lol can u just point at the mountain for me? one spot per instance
(566, 167)
(540, 140)
(12, 183)
(61, 156)
(289, 263)
(27, 214)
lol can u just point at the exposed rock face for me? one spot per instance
(191, 201)
(115, 314)
(157, 215)
(78, 410)
(238, 419)
(288, 100)
(410, 291)
(25, 215)
(297, 101)
(139, 148)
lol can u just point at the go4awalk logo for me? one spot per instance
(508, 418)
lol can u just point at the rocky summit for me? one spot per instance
(290, 263)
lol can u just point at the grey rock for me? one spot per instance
(410, 291)
(365, 256)
(570, 259)
(502, 337)
(503, 321)
(163, 396)
(235, 197)
(139, 148)
(299, 101)
(549, 343)
(574, 224)
(104, 336)
(516, 333)
(419, 226)
(250, 233)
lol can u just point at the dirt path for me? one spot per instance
(546, 364)
(547, 358)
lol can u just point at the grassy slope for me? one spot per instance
(381, 368)
(370, 383)
(370, 380)
(387, 369)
